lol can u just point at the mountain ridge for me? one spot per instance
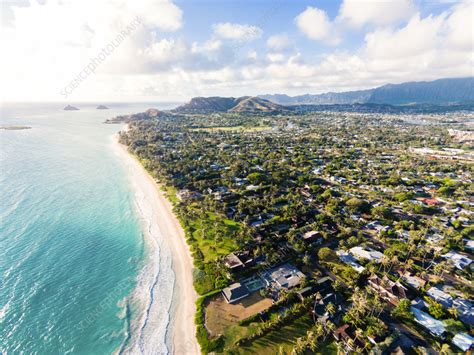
(440, 91)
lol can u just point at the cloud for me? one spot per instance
(209, 46)
(165, 52)
(358, 13)
(156, 60)
(458, 25)
(275, 57)
(238, 32)
(46, 45)
(315, 24)
(278, 42)
(419, 36)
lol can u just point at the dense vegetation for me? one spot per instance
(258, 183)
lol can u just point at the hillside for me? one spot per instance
(256, 105)
(148, 114)
(442, 91)
(207, 104)
(245, 104)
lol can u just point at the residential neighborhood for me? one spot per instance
(322, 232)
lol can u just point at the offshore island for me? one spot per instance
(312, 227)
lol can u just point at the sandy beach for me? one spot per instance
(182, 329)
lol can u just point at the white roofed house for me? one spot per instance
(186, 194)
(435, 327)
(367, 253)
(285, 276)
(463, 341)
(465, 310)
(312, 237)
(440, 296)
(349, 259)
(460, 261)
(413, 280)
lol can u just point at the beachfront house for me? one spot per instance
(240, 260)
(235, 292)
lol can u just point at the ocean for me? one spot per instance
(71, 242)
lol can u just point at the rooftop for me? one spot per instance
(235, 292)
(366, 253)
(440, 296)
(463, 341)
(434, 326)
(286, 276)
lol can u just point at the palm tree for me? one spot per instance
(319, 330)
(384, 262)
(330, 326)
(330, 308)
(453, 311)
(393, 261)
(341, 348)
(350, 343)
(359, 302)
(445, 349)
(299, 346)
(311, 340)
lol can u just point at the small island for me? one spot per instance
(102, 107)
(71, 108)
(14, 128)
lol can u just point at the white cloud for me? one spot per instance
(235, 31)
(279, 42)
(38, 59)
(252, 55)
(459, 26)
(417, 37)
(208, 46)
(357, 13)
(315, 24)
(47, 45)
(275, 57)
(165, 51)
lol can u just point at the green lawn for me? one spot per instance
(284, 337)
(170, 192)
(214, 235)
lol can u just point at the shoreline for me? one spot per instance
(169, 234)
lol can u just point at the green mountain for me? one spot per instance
(442, 91)
(243, 104)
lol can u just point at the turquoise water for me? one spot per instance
(70, 240)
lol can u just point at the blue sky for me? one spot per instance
(274, 17)
(231, 48)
